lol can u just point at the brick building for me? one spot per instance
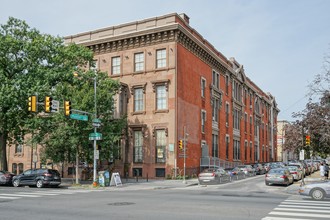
(173, 80)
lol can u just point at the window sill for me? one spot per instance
(18, 155)
(161, 111)
(139, 113)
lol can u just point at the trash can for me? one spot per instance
(106, 176)
(101, 178)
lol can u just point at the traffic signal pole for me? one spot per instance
(95, 130)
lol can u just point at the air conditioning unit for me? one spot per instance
(227, 124)
(250, 106)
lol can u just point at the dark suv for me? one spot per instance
(38, 177)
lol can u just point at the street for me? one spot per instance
(246, 199)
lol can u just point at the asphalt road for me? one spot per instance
(246, 199)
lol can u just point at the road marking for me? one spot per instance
(302, 206)
(300, 214)
(281, 218)
(294, 209)
(43, 194)
(307, 201)
(6, 197)
(302, 210)
(304, 203)
(19, 195)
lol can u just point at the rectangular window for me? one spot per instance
(227, 84)
(215, 79)
(237, 150)
(215, 110)
(160, 146)
(161, 97)
(138, 100)
(203, 120)
(245, 122)
(227, 114)
(115, 65)
(251, 152)
(236, 119)
(245, 150)
(227, 147)
(18, 148)
(138, 143)
(161, 58)
(203, 86)
(138, 62)
(215, 146)
(250, 125)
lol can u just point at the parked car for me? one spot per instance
(213, 175)
(279, 176)
(247, 169)
(317, 191)
(300, 167)
(38, 178)
(234, 171)
(6, 177)
(296, 173)
(259, 168)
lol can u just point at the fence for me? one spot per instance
(207, 162)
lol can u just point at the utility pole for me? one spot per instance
(185, 139)
(95, 130)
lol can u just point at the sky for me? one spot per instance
(280, 43)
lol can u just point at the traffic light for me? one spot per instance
(308, 140)
(48, 104)
(67, 108)
(32, 103)
(180, 144)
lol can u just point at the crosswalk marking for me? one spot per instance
(20, 195)
(36, 194)
(281, 218)
(300, 210)
(7, 197)
(295, 214)
(302, 206)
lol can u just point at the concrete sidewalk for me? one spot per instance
(313, 178)
(133, 183)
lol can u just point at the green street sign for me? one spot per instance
(95, 136)
(79, 117)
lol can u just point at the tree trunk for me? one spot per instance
(3, 144)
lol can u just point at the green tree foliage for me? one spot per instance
(35, 63)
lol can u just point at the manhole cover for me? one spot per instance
(121, 203)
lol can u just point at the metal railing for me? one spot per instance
(208, 162)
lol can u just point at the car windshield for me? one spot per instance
(275, 171)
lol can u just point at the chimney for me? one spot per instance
(184, 17)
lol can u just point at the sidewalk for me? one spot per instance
(314, 177)
(133, 183)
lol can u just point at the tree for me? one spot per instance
(31, 63)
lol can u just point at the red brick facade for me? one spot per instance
(177, 63)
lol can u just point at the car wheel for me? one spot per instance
(267, 183)
(16, 183)
(317, 194)
(40, 184)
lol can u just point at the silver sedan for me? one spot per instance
(317, 191)
(211, 175)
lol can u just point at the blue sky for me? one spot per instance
(281, 43)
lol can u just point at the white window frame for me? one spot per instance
(115, 65)
(138, 62)
(161, 58)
